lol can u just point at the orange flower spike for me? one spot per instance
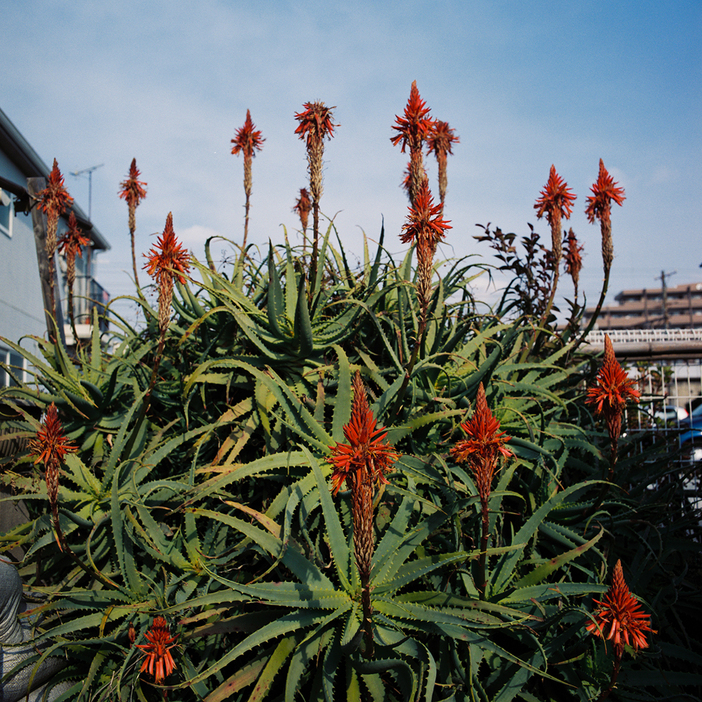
(604, 192)
(484, 436)
(158, 661)
(425, 220)
(619, 617)
(168, 259)
(72, 242)
(366, 448)
(132, 189)
(415, 125)
(440, 139)
(54, 200)
(50, 444)
(613, 387)
(247, 139)
(315, 122)
(556, 199)
(599, 206)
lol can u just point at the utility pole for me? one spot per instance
(665, 295)
(89, 171)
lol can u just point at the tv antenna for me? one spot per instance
(89, 171)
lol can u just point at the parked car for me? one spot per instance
(671, 413)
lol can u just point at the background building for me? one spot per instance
(21, 301)
(653, 308)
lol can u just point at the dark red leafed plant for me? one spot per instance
(54, 200)
(71, 245)
(439, 142)
(315, 125)
(413, 128)
(482, 450)
(362, 464)
(158, 660)
(609, 395)
(620, 619)
(50, 446)
(133, 191)
(248, 141)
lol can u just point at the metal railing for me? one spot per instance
(88, 294)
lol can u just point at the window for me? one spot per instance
(16, 364)
(5, 213)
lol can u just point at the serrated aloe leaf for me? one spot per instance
(276, 303)
(343, 400)
(338, 544)
(292, 622)
(409, 572)
(304, 569)
(504, 570)
(541, 572)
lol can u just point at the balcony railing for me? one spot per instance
(88, 294)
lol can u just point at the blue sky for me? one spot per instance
(524, 85)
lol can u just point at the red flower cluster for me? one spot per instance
(132, 189)
(72, 242)
(619, 617)
(604, 192)
(315, 122)
(440, 139)
(366, 452)
(416, 125)
(247, 139)
(484, 445)
(50, 444)
(168, 259)
(158, 660)
(556, 200)
(612, 388)
(54, 200)
(425, 221)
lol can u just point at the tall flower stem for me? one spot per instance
(167, 261)
(71, 244)
(248, 140)
(425, 227)
(54, 200)
(362, 463)
(133, 191)
(315, 123)
(599, 206)
(556, 203)
(482, 450)
(440, 140)
(413, 127)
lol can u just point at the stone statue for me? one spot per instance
(16, 645)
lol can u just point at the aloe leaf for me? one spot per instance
(543, 571)
(276, 304)
(409, 572)
(286, 624)
(338, 544)
(304, 569)
(504, 570)
(343, 400)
